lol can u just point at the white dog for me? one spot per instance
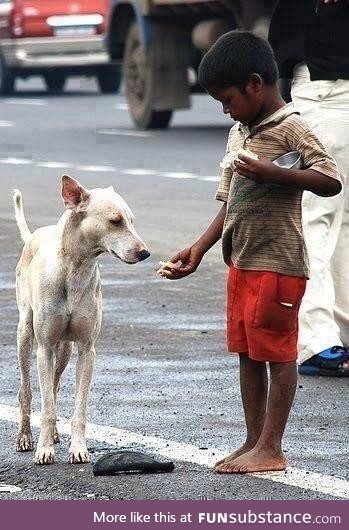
(59, 301)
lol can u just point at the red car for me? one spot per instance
(55, 39)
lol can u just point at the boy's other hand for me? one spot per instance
(262, 170)
(184, 263)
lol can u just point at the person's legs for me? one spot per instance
(325, 308)
(254, 391)
(267, 454)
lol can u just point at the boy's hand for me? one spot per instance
(184, 263)
(262, 170)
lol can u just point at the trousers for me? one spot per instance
(324, 312)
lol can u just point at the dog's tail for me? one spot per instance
(19, 213)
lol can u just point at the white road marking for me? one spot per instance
(99, 168)
(177, 175)
(125, 132)
(210, 179)
(300, 478)
(8, 488)
(121, 106)
(35, 102)
(139, 171)
(6, 123)
(16, 161)
(55, 165)
(96, 168)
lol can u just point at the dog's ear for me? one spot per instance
(74, 195)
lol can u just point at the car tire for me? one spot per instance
(55, 81)
(109, 79)
(7, 79)
(138, 73)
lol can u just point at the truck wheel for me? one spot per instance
(138, 71)
(7, 79)
(109, 79)
(55, 81)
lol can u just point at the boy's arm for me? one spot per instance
(265, 172)
(320, 174)
(187, 260)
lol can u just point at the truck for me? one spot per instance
(159, 44)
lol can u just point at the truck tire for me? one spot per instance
(7, 79)
(55, 81)
(138, 72)
(109, 79)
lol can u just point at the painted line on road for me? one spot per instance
(169, 174)
(177, 175)
(121, 106)
(96, 168)
(55, 165)
(125, 132)
(16, 161)
(110, 169)
(299, 478)
(35, 102)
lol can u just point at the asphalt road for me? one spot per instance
(163, 380)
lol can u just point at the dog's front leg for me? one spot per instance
(45, 361)
(78, 452)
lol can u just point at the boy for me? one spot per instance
(261, 230)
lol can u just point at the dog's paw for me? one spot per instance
(24, 442)
(44, 455)
(78, 454)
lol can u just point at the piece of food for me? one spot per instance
(165, 268)
(229, 159)
(248, 153)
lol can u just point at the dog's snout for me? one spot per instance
(143, 254)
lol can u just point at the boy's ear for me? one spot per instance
(74, 195)
(255, 83)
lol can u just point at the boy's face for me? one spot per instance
(242, 106)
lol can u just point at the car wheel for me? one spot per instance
(7, 79)
(55, 81)
(109, 79)
(138, 71)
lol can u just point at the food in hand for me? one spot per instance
(248, 153)
(229, 159)
(165, 268)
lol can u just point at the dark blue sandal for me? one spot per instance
(327, 363)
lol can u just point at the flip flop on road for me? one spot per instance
(333, 362)
(130, 462)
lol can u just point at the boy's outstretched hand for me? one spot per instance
(261, 170)
(182, 264)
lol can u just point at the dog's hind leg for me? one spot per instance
(25, 335)
(63, 354)
(78, 452)
(45, 361)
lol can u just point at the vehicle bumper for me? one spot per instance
(53, 52)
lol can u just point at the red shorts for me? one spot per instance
(262, 314)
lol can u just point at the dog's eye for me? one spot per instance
(115, 221)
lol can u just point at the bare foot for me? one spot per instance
(242, 450)
(255, 461)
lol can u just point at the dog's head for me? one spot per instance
(105, 220)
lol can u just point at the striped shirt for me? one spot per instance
(263, 225)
